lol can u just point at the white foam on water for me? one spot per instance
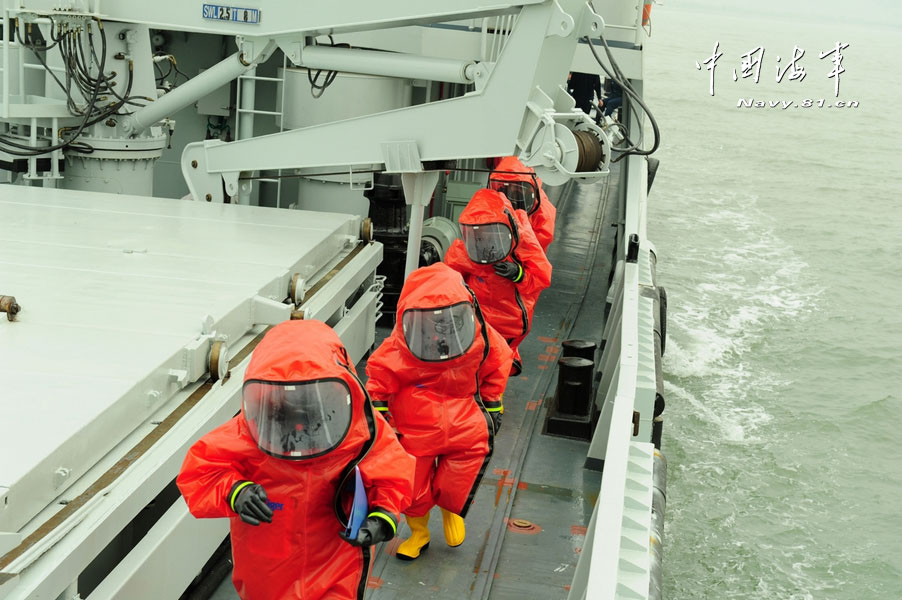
(732, 298)
(735, 423)
(723, 308)
(777, 485)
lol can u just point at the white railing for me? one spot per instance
(615, 561)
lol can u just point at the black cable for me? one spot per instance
(107, 83)
(317, 89)
(110, 83)
(625, 83)
(177, 72)
(627, 87)
(625, 132)
(40, 59)
(73, 108)
(162, 76)
(113, 109)
(55, 40)
(173, 65)
(59, 30)
(126, 99)
(75, 71)
(92, 103)
(82, 68)
(24, 150)
(67, 88)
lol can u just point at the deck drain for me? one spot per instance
(523, 526)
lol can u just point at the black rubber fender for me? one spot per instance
(652, 171)
(662, 307)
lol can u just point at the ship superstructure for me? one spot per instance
(179, 177)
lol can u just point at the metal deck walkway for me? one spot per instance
(526, 527)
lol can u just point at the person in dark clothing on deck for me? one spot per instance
(584, 88)
(613, 97)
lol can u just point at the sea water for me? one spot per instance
(779, 237)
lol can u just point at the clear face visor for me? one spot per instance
(297, 420)
(439, 334)
(487, 243)
(522, 194)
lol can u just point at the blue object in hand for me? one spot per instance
(359, 507)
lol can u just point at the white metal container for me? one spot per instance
(350, 95)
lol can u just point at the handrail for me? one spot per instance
(614, 562)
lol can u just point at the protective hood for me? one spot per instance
(486, 206)
(517, 182)
(437, 317)
(300, 396)
(488, 227)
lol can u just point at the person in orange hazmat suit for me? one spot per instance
(440, 376)
(277, 470)
(524, 190)
(503, 264)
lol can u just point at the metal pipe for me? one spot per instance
(247, 90)
(55, 155)
(418, 188)
(483, 39)
(493, 51)
(414, 237)
(5, 65)
(191, 91)
(42, 68)
(33, 139)
(21, 33)
(387, 64)
(246, 104)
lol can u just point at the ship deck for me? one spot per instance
(527, 525)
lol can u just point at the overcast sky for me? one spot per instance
(879, 13)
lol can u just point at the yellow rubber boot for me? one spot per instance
(455, 531)
(418, 540)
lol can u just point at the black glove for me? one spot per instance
(509, 270)
(250, 504)
(373, 531)
(496, 420)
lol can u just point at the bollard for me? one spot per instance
(574, 385)
(572, 414)
(581, 348)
